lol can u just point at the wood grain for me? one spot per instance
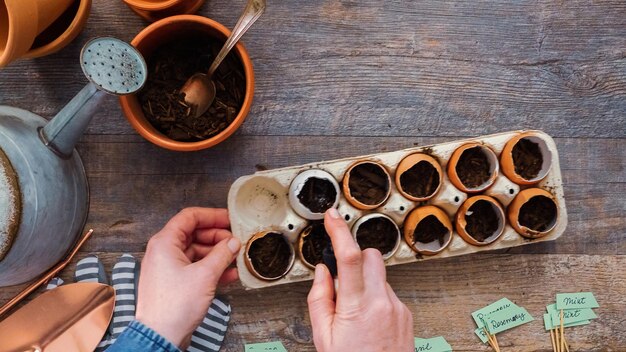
(339, 78)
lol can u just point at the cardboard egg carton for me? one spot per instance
(260, 202)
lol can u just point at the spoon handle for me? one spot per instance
(254, 9)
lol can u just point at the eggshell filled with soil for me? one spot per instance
(269, 255)
(313, 192)
(473, 167)
(533, 213)
(377, 231)
(367, 185)
(419, 177)
(428, 230)
(480, 220)
(526, 158)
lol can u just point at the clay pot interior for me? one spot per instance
(269, 255)
(58, 27)
(367, 185)
(483, 221)
(262, 200)
(377, 231)
(474, 169)
(311, 244)
(419, 177)
(313, 192)
(531, 160)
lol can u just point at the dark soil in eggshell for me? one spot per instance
(430, 229)
(368, 183)
(473, 167)
(527, 158)
(314, 243)
(317, 194)
(483, 220)
(270, 255)
(379, 233)
(421, 180)
(538, 214)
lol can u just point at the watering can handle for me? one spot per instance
(63, 132)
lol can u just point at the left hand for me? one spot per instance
(180, 272)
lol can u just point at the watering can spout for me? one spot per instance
(112, 66)
(63, 132)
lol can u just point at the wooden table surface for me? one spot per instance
(345, 78)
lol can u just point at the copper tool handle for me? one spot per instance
(46, 277)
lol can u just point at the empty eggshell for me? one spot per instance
(407, 164)
(372, 216)
(358, 201)
(549, 209)
(415, 218)
(453, 173)
(464, 211)
(298, 185)
(508, 161)
(248, 259)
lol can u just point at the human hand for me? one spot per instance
(366, 314)
(180, 272)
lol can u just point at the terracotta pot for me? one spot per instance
(316, 229)
(406, 164)
(354, 200)
(154, 10)
(21, 21)
(522, 200)
(461, 220)
(254, 270)
(415, 218)
(508, 162)
(368, 217)
(167, 30)
(458, 154)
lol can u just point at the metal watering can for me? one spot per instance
(44, 195)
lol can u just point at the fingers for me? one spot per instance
(178, 231)
(215, 263)
(229, 276)
(374, 268)
(348, 254)
(320, 301)
(211, 236)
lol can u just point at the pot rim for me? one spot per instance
(422, 157)
(187, 7)
(348, 194)
(248, 260)
(460, 221)
(369, 216)
(149, 132)
(17, 20)
(152, 5)
(71, 32)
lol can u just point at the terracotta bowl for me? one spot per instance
(167, 30)
(154, 10)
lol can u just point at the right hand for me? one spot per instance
(366, 314)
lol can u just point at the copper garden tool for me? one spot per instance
(66, 319)
(46, 277)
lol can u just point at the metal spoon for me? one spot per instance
(199, 89)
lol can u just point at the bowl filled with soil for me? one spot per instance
(311, 244)
(473, 167)
(367, 185)
(269, 256)
(526, 158)
(419, 177)
(313, 192)
(533, 213)
(378, 231)
(480, 220)
(428, 230)
(154, 10)
(175, 48)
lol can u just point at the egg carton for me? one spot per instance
(260, 202)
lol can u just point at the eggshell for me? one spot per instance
(355, 202)
(407, 163)
(516, 205)
(454, 160)
(413, 220)
(306, 232)
(461, 222)
(248, 261)
(370, 216)
(508, 166)
(298, 183)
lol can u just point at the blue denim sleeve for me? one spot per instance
(140, 338)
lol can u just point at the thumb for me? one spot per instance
(219, 259)
(321, 302)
